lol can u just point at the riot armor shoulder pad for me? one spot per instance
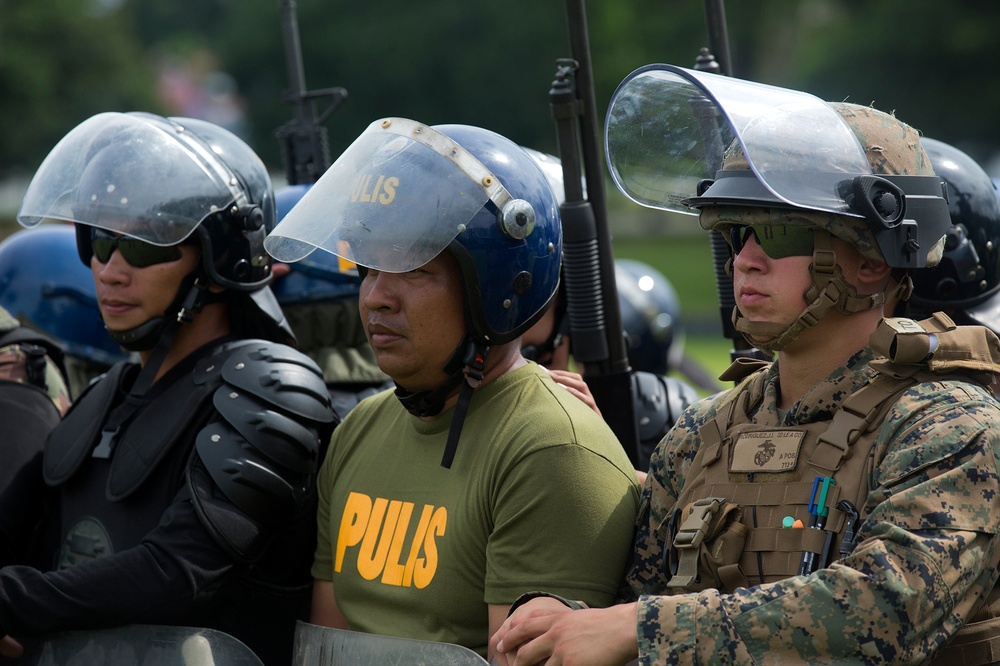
(261, 452)
(659, 401)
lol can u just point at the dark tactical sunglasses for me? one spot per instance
(137, 253)
(777, 241)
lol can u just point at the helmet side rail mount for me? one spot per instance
(893, 206)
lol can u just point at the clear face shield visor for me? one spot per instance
(392, 201)
(668, 129)
(134, 174)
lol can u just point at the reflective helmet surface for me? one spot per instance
(319, 277)
(403, 192)
(161, 180)
(43, 284)
(969, 271)
(651, 317)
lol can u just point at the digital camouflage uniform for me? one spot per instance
(926, 550)
(15, 360)
(724, 570)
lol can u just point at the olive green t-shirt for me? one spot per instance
(540, 496)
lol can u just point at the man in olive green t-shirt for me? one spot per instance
(479, 478)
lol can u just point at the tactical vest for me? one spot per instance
(731, 530)
(158, 435)
(732, 527)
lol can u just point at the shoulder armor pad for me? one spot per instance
(659, 401)
(936, 344)
(274, 418)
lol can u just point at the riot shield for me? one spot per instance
(136, 645)
(323, 646)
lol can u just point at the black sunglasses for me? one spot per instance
(777, 241)
(137, 253)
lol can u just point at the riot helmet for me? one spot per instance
(167, 181)
(651, 317)
(543, 350)
(741, 154)
(319, 277)
(969, 271)
(59, 300)
(401, 194)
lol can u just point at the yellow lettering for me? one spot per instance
(374, 548)
(423, 573)
(418, 540)
(352, 524)
(388, 191)
(378, 184)
(393, 572)
(365, 196)
(356, 187)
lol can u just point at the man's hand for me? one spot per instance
(10, 648)
(574, 383)
(544, 631)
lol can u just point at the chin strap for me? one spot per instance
(475, 360)
(829, 291)
(465, 367)
(189, 302)
(430, 403)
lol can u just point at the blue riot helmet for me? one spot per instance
(319, 296)
(167, 181)
(44, 285)
(319, 277)
(404, 192)
(651, 317)
(968, 275)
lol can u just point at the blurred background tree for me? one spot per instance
(490, 64)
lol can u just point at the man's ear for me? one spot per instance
(874, 269)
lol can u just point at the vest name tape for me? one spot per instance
(767, 451)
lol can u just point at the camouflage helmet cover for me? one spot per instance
(892, 148)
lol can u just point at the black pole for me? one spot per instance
(588, 261)
(303, 139)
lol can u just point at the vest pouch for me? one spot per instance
(706, 548)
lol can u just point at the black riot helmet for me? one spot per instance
(969, 271)
(651, 317)
(167, 181)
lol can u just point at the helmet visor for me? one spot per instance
(131, 173)
(391, 202)
(669, 128)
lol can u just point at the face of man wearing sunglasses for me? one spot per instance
(772, 288)
(137, 281)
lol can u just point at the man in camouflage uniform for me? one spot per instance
(836, 506)
(33, 394)
(26, 358)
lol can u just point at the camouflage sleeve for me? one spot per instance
(927, 555)
(14, 367)
(56, 387)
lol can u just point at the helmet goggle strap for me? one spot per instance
(829, 291)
